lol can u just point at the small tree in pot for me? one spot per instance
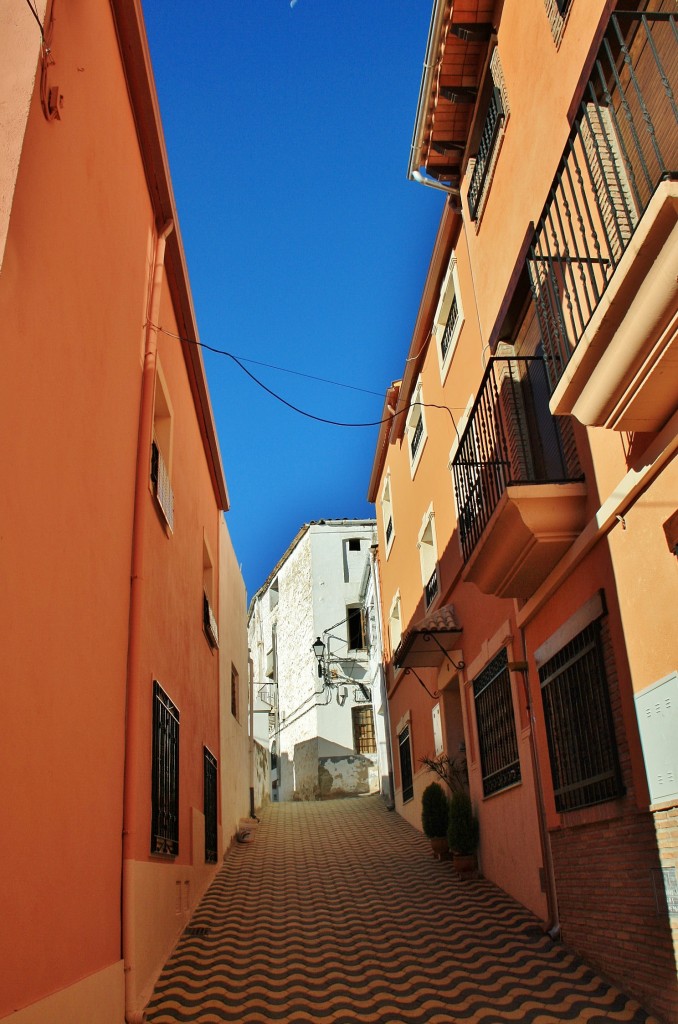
(463, 834)
(435, 818)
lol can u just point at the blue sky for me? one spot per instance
(288, 132)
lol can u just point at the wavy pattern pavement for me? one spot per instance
(336, 913)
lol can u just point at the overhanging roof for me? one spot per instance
(430, 641)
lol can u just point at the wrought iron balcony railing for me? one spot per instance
(511, 438)
(623, 143)
(488, 141)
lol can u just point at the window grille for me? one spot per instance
(488, 141)
(162, 487)
(579, 726)
(389, 529)
(405, 752)
(210, 804)
(364, 740)
(165, 775)
(234, 693)
(209, 622)
(432, 587)
(497, 742)
(450, 327)
(417, 433)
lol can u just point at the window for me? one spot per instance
(210, 805)
(494, 102)
(356, 632)
(354, 544)
(273, 594)
(497, 742)
(387, 514)
(209, 621)
(235, 694)
(161, 451)
(394, 624)
(416, 429)
(405, 754)
(579, 726)
(556, 11)
(448, 319)
(428, 557)
(165, 775)
(363, 731)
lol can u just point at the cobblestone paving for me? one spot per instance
(337, 913)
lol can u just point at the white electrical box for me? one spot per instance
(657, 711)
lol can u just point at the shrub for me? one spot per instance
(463, 832)
(434, 811)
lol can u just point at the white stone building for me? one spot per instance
(322, 737)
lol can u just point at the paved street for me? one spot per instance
(337, 913)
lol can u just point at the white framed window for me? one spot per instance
(395, 630)
(449, 319)
(387, 514)
(428, 557)
(416, 429)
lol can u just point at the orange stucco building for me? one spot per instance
(525, 478)
(124, 621)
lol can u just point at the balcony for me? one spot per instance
(519, 491)
(603, 257)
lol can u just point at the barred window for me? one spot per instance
(363, 731)
(579, 726)
(210, 805)
(405, 752)
(497, 742)
(165, 775)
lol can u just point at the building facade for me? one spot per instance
(525, 482)
(323, 739)
(113, 547)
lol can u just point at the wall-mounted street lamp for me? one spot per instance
(319, 651)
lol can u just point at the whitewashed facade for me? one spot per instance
(322, 728)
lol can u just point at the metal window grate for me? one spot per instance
(405, 753)
(432, 587)
(209, 622)
(488, 141)
(579, 726)
(450, 327)
(389, 529)
(499, 758)
(165, 776)
(162, 486)
(417, 434)
(364, 739)
(210, 805)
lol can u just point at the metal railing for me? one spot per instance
(488, 141)
(510, 438)
(417, 434)
(623, 143)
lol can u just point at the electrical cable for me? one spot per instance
(290, 405)
(35, 15)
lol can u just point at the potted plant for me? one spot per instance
(435, 818)
(463, 834)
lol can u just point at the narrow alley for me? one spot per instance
(336, 912)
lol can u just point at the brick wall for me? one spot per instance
(606, 876)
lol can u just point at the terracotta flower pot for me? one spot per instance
(439, 847)
(465, 864)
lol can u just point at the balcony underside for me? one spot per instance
(530, 530)
(623, 374)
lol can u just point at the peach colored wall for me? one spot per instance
(72, 303)
(233, 650)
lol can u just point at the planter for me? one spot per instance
(440, 847)
(465, 864)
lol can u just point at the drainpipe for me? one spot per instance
(250, 669)
(553, 924)
(132, 726)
